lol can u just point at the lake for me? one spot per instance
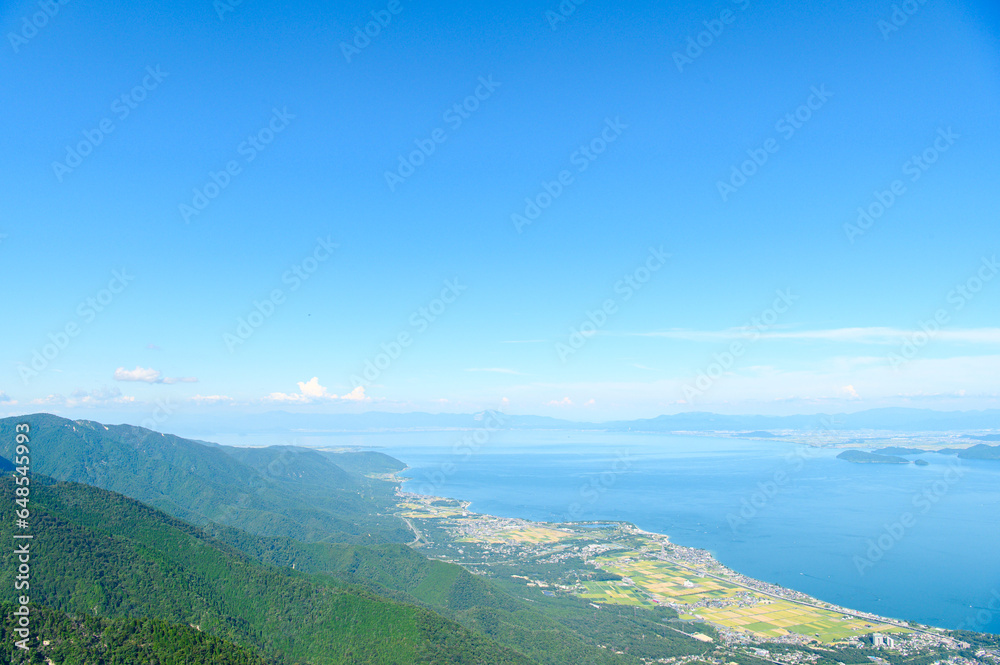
(910, 542)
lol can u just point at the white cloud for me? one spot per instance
(138, 374)
(357, 395)
(311, 392)
(149, 375)
(565, 401)
(311, 388)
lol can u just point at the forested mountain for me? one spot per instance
(83, 639)
(99, 553)
(345, 593)
(284, 491)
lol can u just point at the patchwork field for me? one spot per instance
(697, 587)
(658, 582)
(427, 511)
(536, 535)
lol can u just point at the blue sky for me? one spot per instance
(595, 117)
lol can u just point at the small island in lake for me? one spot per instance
(861, 457)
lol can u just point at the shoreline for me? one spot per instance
(729, 576)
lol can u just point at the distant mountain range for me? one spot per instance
(890, 419)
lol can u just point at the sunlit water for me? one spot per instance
(916, 543)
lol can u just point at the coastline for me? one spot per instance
(696, 564)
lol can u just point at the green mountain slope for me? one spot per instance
(284, 491)
(101, 553)
(313, 495)
(550, 630)
(87, 640)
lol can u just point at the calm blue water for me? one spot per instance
(810, 522)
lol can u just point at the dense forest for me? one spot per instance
(83, 639)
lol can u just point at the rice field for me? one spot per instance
(648, 583)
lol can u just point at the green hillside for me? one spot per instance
(87, 640)
(271, 500)
(284, 491)
(549, 630)
(102, 554)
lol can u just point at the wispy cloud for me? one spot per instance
(149, 375)
(98, 397)
(212, 399)
(857, 335)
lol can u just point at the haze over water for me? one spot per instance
(813, 534)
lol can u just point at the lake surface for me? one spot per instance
(917, 543)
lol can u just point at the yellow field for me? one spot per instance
(426, 511)
(537, 535)
(720, 602)
(648, 582)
